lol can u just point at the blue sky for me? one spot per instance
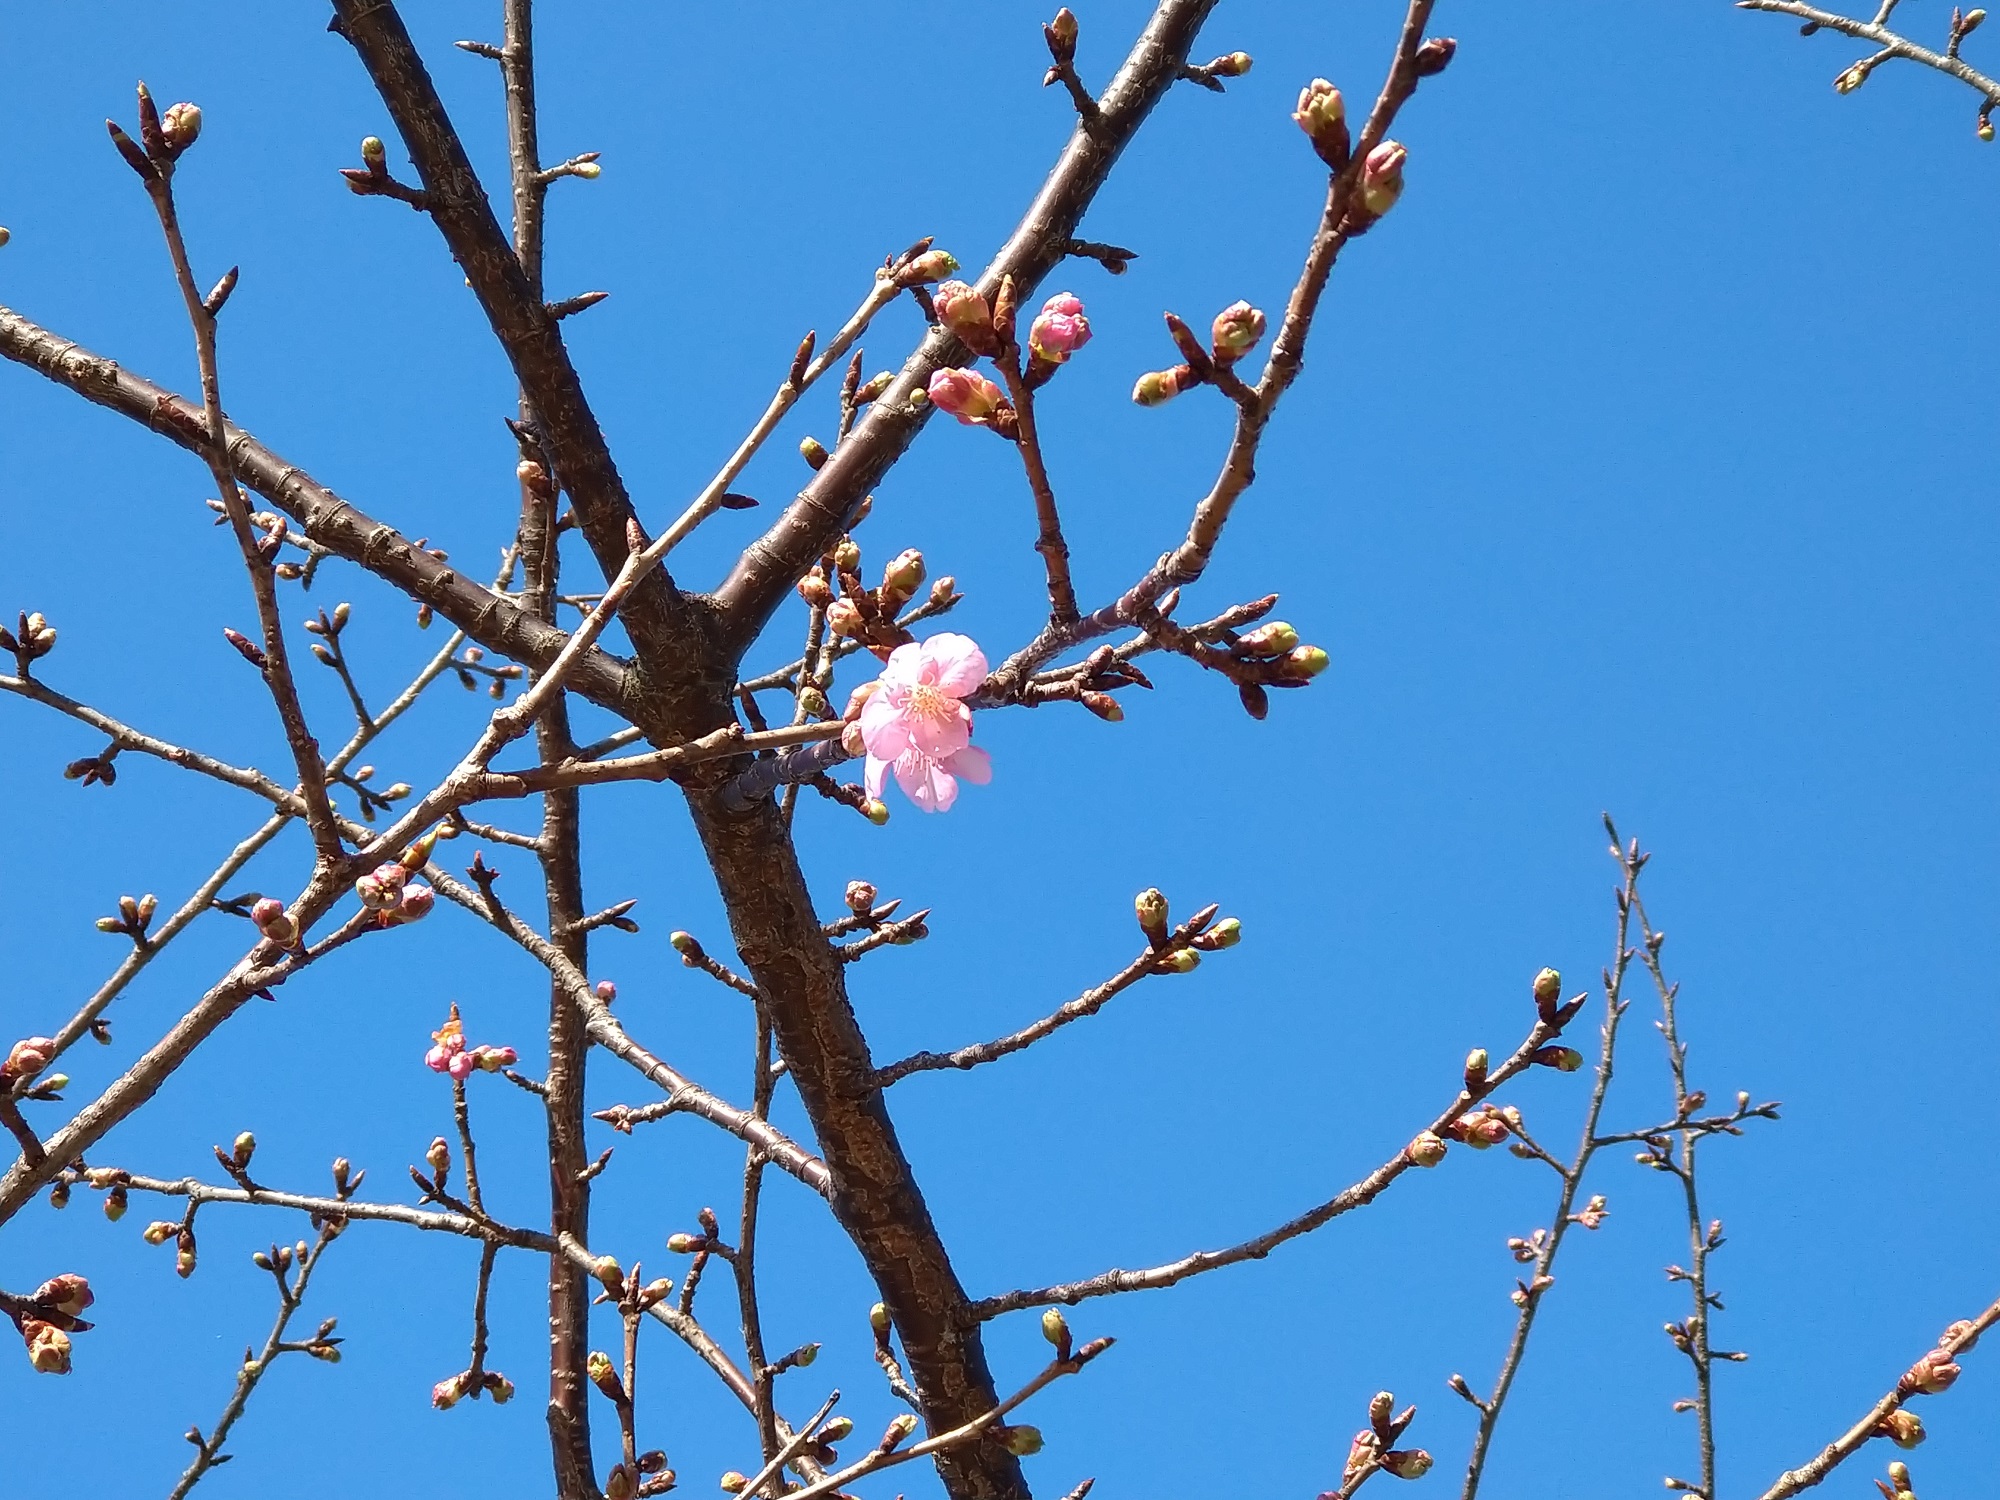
(1640, 464)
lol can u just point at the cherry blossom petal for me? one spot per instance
(972, 764)
(960, 664)
(925, 782)
(872, 776)
(885, 725)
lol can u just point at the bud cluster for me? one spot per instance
(1373, 1447)
(854, 611)
(35, 639)
(134, 917)
(449, 1053)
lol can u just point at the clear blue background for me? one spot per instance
(1642, 463)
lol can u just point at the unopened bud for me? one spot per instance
(1022, 1441)
(905, 575)
(1272, 638)
(1434, 56)
(815, 590)
(1407, 1463)
(843, 618)
(1562, 1059)
(1181, 961)
(180, 126)
(1236, 330)
(1902, 1427)
(1475, 1069)
(1382, 177)
(1157, 387)
(932, 265)
(1322, 115)
(1151, 907)
(1548, 993)
(1063, 27)
(159, 1232)
(813, 451)
(1055, 1327)
(1305, 661)
(373, 155)
(439, 1157)
(681, 1243)
(734, 1482)
(1427, 1150)
(878, 1318)
(245, 1147)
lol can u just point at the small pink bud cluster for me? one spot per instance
(448, 1393)
(1236, 330)
(1595, 1212)
(48, 1346)
(1481, 1128)
(1059, 329)
(388, 890)
(973, 399)
(27, 1057)
(449, 1054)
(1933, 1373)
(274, 922)
(965, 312)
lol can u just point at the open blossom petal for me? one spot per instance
(884, 725)
(959, 664)
(970, 764)
(925, 782)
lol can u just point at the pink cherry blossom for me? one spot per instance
(967, 395)
(1060, 329)
(916, 724)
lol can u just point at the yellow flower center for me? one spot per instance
(933, 703)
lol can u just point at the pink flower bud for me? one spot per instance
(1060, 329)
(1236, 330)
(967, 395)
(382, 887)
(48, 1346)
(1382, 177)
(1933, 1373)
(606, 991)
(416, 903)
(493, 1059)
(29, 1056)
(460, 1066)
(446, 1393)
(965, 312)
(843, 617)
(69, 1294)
